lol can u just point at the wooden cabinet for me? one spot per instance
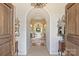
(6, 30)
(72, 27)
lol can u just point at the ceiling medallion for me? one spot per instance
(38, 5)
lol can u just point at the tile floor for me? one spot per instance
(38, 51)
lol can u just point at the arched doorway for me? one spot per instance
(38, 32)
(38, 16)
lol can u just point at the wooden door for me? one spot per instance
(6, 30)
(77, 19)
(72, 20)
(72, 29)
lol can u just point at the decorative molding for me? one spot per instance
(38, 5)
(17, 26)
(73, 39)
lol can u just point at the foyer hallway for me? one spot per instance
(28, 15)
(38, 51)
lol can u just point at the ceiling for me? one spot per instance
(52, 7)
(42, 21)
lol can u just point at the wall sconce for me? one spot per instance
(17, 25)
(30, 25)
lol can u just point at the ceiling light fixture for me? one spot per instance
(38, 5)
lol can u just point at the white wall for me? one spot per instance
(53, 35)
(21, 9)
(55, 10)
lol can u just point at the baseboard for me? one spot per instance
(22, 54)
(53, 53)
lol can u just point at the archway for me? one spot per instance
(38, 13)
(38, 31)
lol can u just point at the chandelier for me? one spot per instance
(38, 5)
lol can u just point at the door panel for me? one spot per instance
(71, 20)
(77, 20)
(1, 20)
(4, 39)
(5, 48)
(6, 27)
(72, 33)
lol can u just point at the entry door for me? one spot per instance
(72, 20)
(6, 30)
